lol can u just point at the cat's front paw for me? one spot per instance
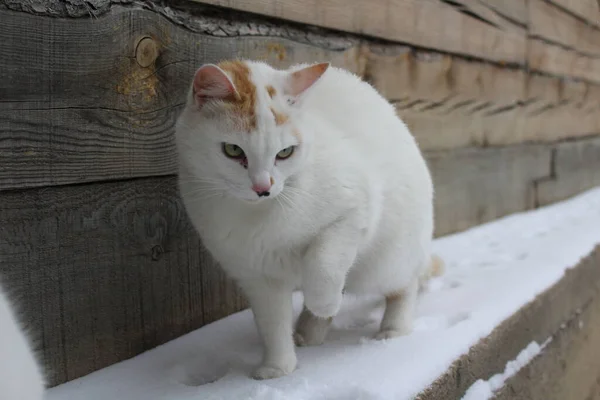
(323, 306)
(271, 371)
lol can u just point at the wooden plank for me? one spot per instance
(551, 23)
(561, 43)
(72, 112)
(474, 186)
(562, 309)
(576, 167)
(588, 10)
(110, 119)
(106, 271)
(568, 366)
(430, 24)
(556, 60)
(450, 102)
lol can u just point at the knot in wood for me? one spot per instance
(146, 52)
(157, 252)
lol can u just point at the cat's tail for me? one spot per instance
(435, 268)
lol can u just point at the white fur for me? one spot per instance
(20, 375)
(350, 210)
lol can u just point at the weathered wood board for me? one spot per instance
(560, 61)
(429, 24)
(74, 113)
(473, 186)
(102, 272)
(575, 167)
(561, 43)
(515, 32)
(551, 314)
(553, 24)
(450, 102)
(77, 107)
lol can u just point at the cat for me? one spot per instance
(20, 375)
(305, 179)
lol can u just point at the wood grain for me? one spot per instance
(106, 271)
(551, 23)
(73, 112)
(588, 10)
(498, 31)
(450, 102)
(562, 43)
(430, 24)
(559, 61)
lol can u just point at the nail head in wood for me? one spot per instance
(146, 52)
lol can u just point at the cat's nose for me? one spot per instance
(262, 182)
(262, 189)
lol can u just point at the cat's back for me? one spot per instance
(20, 376)
(360, 114)
(367, 128)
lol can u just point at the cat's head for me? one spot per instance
(241, 132)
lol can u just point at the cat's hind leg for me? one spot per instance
(399, 312)
(310, 329)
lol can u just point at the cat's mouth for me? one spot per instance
(256, 198)
(250, 196)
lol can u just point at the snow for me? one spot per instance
(484, 389)
(491, 271)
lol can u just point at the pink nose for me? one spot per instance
(261, 189)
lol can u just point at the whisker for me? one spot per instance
(290, 201)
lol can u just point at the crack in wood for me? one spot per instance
(481, 107)
(460, 104)
(436, 104)
(467, 11)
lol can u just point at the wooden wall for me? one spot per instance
(503, 96)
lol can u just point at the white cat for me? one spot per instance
(305, 179)
(20, 375)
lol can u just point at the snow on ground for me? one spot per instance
(491, 271)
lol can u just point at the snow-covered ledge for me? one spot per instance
(518, 289)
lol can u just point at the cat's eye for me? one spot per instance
(232, 150)
(285, 153)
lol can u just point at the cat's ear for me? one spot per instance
(299, 81)
(211, 82)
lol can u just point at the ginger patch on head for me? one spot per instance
(271, 90)
(280, 118)
(244, 102)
